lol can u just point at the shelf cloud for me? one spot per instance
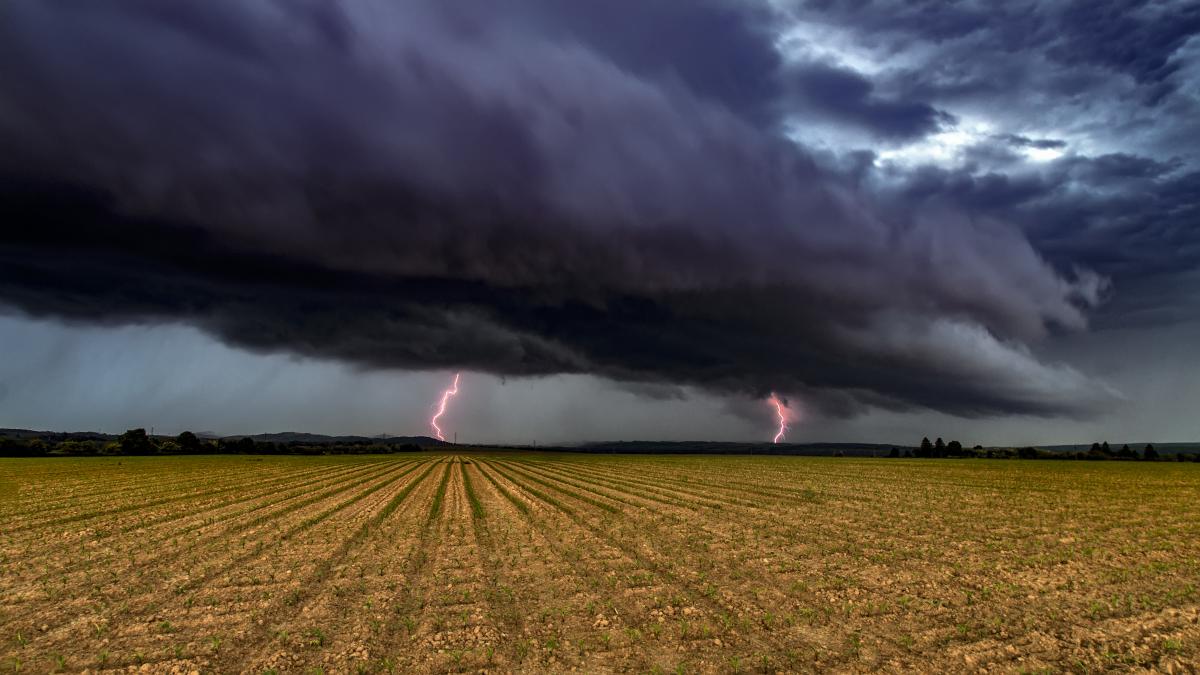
(530, 189)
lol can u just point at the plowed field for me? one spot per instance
(549, 563)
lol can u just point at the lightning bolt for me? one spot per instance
(781, 411)
(446, 396)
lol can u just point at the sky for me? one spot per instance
(630, 219)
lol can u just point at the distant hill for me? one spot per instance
(321, 439)
(58, 436)
(281, 437)
(728, 448)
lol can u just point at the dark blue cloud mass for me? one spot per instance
(848, 97)
(865, 205)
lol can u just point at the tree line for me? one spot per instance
(135, 442)
(1098, 451)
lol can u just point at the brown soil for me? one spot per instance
(512, 562)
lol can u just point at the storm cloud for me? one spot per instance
(847, 96)
(516, 191)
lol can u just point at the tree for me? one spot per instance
(926, 448)
(1104, 448)
(954, 449)
(895, 452)
(239, 446)
(11, 447)
(939, 447)
(135, 442)
(1149, 453)
(188, 442)
(1126, 453)
(1095, 447)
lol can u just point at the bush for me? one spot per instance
(77, 448)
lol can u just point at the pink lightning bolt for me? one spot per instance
(781, 410)
(452, 391)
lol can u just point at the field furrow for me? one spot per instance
(149, 528)
(146, 497)
(652, 588)
(335, 617)
(129, 597)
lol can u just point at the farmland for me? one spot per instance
(548, 562)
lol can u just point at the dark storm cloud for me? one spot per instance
(1123, 215)
(720, 49)
(1133, 37)
(1055, 62)
(935, 21)
(653, 390)
(1131, 219)
(1019, 141)
(1114, 86)
(431, 184)
(846, 96)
